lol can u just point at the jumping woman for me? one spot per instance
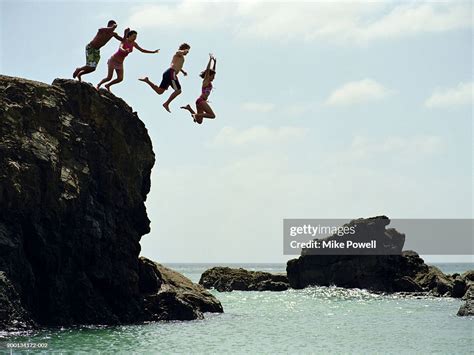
(116, 60)
(202, 106)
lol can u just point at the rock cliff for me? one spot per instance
(405, 272)
(75, 170)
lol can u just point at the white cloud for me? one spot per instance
(459, 95)
(258, 134)
(232, 210)
(345, 22)
(404, 148)
(356, 92)
(261, 107)
(181, 15)
(415, 18)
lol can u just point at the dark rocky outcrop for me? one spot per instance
(171, 296)
(405, 272)
(225, 279)
(467, 308)
(12, 314)
(75, 170)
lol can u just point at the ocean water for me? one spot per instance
(314, 320)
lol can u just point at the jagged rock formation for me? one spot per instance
(171, 296)
(226, 279)
(405, 272)
(75, 170)
(12, 314)
(467, 308)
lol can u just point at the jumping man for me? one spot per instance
(102, 37)
(170, 76)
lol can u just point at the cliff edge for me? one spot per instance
(75, 169)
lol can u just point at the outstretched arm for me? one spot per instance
(144, 50)
(116, 36)
(124, 34)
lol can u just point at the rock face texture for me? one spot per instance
(467, 308)
(225, 279)
(406, 272)
(75, 170)
(12, 314)
(169, 295)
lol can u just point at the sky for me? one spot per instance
(324, 110)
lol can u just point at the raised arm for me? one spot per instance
(144, 50)
(206, 74)
(214, 66)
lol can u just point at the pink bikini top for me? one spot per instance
(123, 53)
(206, 89)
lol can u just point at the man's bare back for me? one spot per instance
(103, 36)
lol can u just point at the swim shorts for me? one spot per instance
(92, 56)
(170, 79)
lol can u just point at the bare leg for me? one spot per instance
(155, 87)
(204, 111)
(171, 98)
(198, 119)
(109, 76)
(81, 71)
(116, 81)
(188, 108)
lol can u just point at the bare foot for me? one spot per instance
(166, 106)
(107, 86)
(97, 87)
(197, 118)
(79, 78)
(145, 79)
(75, 73)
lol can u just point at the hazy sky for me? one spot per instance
(334, 110)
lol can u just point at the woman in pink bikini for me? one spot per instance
(202, 106)
(116, 61)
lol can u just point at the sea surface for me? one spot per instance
(314, 320)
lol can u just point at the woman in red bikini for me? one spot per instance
(202, 106)
(116, 61)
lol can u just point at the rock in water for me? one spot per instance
(467, 308)
(405, 272)
(225, 279)
(75, 170)
(176, 297)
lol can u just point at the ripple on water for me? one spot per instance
(316, 319)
